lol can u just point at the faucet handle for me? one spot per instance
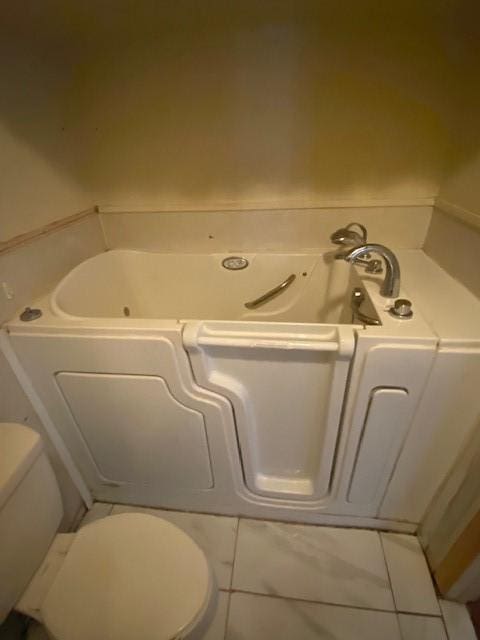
(402, 308)
(348, 237)
(362, 229)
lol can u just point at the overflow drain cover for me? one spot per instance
(235, 263)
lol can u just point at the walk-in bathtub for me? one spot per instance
(177, 381)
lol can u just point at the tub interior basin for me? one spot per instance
(140, 284)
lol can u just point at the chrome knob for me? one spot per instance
(29, 314)
(402, 308)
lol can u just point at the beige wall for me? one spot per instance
(218, 105)
(39, 179)
(462, 187)
(263, 108)
(453, 239)
(455, 246)
(461, 184)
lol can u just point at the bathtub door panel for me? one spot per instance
(384, 429)
(136, 431)
(281, 403)
(287, 392)
(444, 425)
(385, 386)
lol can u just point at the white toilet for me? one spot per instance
(125, 577)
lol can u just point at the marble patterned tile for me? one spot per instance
(98, 511)
(457, 621)
(216, 629)
(412, 584)
(421, 627)
(254, 617)
(323, 564)
(214, 534)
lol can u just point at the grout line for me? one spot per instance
(333, 525)
(231, 578)
(390, 581)
(445, 626)
(235, 544)
(325, 525)
(419, 614)
(225, 626)
(391, 586)
(142, 507)
(335, 604)
(423, 615)
(332, 604)
(446, 629)
(411, 613)
(322, 602)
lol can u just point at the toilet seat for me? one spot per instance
(128, 577)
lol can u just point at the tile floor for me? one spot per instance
(288, 582)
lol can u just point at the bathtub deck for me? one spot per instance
(284, 581)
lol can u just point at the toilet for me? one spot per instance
(125, 577)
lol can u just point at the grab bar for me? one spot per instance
(357, 298)
(253, 304)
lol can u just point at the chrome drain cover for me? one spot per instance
(235, 263)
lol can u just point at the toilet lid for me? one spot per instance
(128, 577)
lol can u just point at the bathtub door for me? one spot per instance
(286, 384)
(137, 431)
(128, 411)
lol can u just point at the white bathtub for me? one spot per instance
(164, 390)
(140, 284)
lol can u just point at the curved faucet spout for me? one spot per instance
(391, 283)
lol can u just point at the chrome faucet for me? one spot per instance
(348, 237)
(391, 283)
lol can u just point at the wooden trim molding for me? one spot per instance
(285, 204)
(460, 556)
(56, 225)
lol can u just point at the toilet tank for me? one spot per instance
(30, 510)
